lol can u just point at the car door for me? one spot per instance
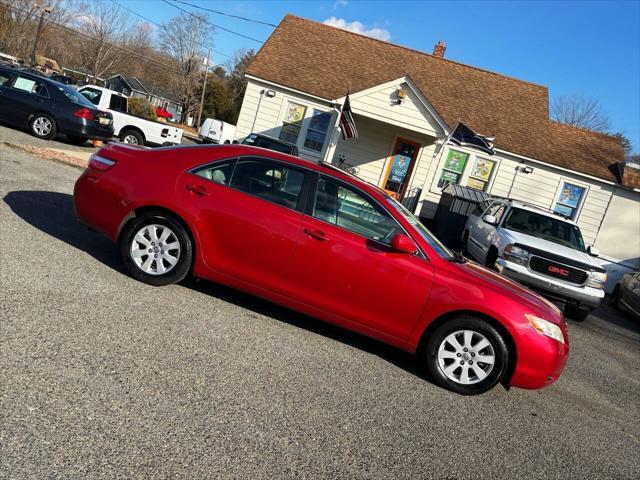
(5, 81)
(345, 266)
(475, 227)
(487, 232)
(248, 216)
(27, 94)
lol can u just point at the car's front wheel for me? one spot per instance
(43, 126)
(156, 249)
(466, 355)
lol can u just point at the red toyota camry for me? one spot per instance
(315, 239)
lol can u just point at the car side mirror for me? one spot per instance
(402, 243)
(593, 251)
(490, 219)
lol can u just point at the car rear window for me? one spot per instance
(75, 97)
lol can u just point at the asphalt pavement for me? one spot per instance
(105, 377)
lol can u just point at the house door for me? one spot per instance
(403, 158)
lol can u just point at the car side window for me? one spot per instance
(92, 95)
(4, 79)
(340, 205)
(30, 85)
(499, 213)
(270, 181)
(218, 173)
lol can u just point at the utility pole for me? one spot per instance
(204, 86)
(45, 10)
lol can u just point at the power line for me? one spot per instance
(225, 14)
(212, 24)
(162, 26)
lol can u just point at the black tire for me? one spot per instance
(429, 356)
(131, 136)
(38, 129)
(464, 249)
(76, 140)
(492, 258)
(614, 300)
(576, 313)
(178, 271)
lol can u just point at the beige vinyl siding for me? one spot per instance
(538, 188)
(619, 236)
(267, 119)
(410, 114)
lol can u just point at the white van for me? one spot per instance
(216, 131)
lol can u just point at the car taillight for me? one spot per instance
(84, 113)
(100, 163)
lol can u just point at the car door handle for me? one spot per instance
(197, 189)
(314, 233)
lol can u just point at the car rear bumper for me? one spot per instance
(585, 296)
(87, 129)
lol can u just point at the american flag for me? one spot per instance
(347, 123)
(465, 137)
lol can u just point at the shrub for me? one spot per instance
(142, 107)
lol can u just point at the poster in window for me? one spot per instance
(482, 169)
(320, 121)
(295, 113)
(477, 184)
(564, 210)
(399, 168)
(456, 161)
(570, 195)
(447, 177)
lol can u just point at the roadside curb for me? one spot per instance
(49, 154)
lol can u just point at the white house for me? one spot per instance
(405, 104)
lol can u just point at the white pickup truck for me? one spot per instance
(131, 128)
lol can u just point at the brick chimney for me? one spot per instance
(439, 49)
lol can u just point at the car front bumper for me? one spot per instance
(585, 296)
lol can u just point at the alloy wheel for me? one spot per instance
(130, 139)
(155, 249)
(42, 126)
(466, 357)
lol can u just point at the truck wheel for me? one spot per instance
(576, 313)
(132, 136)
(43, 126)
(492, 258)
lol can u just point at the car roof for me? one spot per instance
(273, 139)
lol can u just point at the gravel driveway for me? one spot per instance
(105, 377)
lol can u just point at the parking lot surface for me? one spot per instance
(105, 377)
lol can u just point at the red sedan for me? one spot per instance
(315, 239)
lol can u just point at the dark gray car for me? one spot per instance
(626, 294)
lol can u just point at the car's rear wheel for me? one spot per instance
(156, 249)
(466, 355)
(43, 126)
(132, 136)
(576, 313)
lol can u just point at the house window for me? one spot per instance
(481, 174)
(292, 123)
(453, 168)
(569, 200)
(317, 130)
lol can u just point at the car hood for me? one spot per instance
(478, 274)
(552, 247)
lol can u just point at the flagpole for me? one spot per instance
(334, 135)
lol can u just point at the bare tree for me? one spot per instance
(237, 84)
(580, 111)
(182, 38)
(104, 25)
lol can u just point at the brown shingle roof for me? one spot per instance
(630, 176)
(325, 61)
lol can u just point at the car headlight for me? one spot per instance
(515, 254)
(597, 279)
(545, 327)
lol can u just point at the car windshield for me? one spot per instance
(75, 97)
(546, 227)
(424, 232)
(267, 143)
